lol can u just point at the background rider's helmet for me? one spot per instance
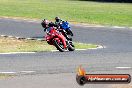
(63, 21)
(57, 19)
(44, 23)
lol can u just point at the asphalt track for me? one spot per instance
(57, 69)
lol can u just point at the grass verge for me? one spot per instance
(72, 10)
(3, 76)
(14, 45)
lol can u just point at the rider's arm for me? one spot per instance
(45, 29)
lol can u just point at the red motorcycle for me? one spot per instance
(56, 38)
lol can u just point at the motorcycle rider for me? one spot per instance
(46, 25)
(58, 24)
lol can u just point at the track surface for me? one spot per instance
(56, 69)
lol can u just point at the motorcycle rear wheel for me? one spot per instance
(70, 32)
(71, 47)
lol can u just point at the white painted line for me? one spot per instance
(27, 71)
(95, 26)
(82, 25)
(29, 38)
(40, 39)
(7, 72)
(3, 35)
(67, 50)
(54, 50)
(81, 49)
(130, 27)
(117, 27)
(100, 47)
(57, 50)
(14, 18)
(123, 67)
(92, 48)
(32, 21)
(6, 17)
(11, 36)
(17, 37)
(17, 53)
(25, 19)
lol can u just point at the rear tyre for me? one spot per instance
(59, 46)
(70, 32)
(71, 47)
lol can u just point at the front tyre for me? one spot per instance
(59, 46)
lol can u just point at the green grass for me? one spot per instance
(3, 76)
(14, 45)
(79, 11)
(84, 45)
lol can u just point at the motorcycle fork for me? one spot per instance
(63, 40)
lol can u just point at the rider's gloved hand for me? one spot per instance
(44, 29)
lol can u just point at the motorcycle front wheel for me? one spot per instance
(59, 46)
